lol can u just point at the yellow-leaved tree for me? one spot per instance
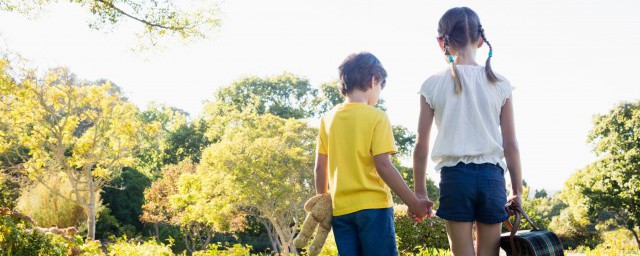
(83, 131)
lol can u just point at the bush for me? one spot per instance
(47, 208)
(134, 248)
(431, 233)
(218, 250)
(17, 237)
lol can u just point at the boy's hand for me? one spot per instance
(421, 210)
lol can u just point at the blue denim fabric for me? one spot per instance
(366, 232)
(473, 192)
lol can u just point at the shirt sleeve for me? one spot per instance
(426, 90)
(321, 142)
(383, 141)
(505, 90)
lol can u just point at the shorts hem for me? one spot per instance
(492, 220)
(454, 218)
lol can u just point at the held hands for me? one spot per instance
(422, 210)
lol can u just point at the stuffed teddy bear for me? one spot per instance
(319, 213)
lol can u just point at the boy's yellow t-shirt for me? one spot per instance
(350, 135)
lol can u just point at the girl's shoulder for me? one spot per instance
(440, 77)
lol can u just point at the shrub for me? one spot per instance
(16, 240)
(135, 248)
(49, 209)
(218, 250)
(431, 233)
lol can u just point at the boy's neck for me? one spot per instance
(357, 96)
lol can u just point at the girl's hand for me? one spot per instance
(515, 200)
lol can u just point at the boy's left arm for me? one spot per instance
(321, 174)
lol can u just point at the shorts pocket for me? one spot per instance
(496, 188)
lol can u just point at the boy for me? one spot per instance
(354, 144)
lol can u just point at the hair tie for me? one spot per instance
(450, 58)
(490, 53)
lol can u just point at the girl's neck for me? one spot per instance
(467, 56)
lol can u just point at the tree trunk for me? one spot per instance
(155, 226)
(635, 234)
(92, 212)
(272, 237)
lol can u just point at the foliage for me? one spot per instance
(48, 209)
(9, 190)
(573, 226)
(19, 237)
(613, 182)
(85, 132)
(286, 96)
(263, 163)
(186, 142)
(137, 248)
(540, 208)
(159, 123)
(157, 18)
(125, 198)
(217, 249)
(410, 237)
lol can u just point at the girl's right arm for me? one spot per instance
(511, 151)
(421, 150)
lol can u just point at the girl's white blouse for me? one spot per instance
(468, 123)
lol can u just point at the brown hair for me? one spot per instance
(356, 72)
(459, 27)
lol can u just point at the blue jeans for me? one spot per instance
(366, 232)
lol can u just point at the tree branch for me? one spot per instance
(148, 23)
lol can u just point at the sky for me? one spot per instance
(568, 60)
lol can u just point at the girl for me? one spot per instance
(473, 111)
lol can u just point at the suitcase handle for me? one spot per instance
(513, 228)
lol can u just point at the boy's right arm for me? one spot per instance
(321, 174)
(392, 177)
(511, 151)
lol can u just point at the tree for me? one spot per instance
(158, 18)
(81, 131)
(613, 183)
(264, 163)
(286, 96)
(159, 122)
(125, 198)
(156, 209)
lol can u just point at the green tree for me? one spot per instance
(158, 18)
(125, 198)
(82, 131)
(614, 181)
(573, 225)
(286, 96)
(159, 123)
(264, 164)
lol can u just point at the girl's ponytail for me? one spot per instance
(454, 69)
(487, 67)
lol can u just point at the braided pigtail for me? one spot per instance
(487, 68)
(454, 69)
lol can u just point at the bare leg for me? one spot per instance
(488, 235)
(460, 238)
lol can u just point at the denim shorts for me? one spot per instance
(366, 232)
(473, 192)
